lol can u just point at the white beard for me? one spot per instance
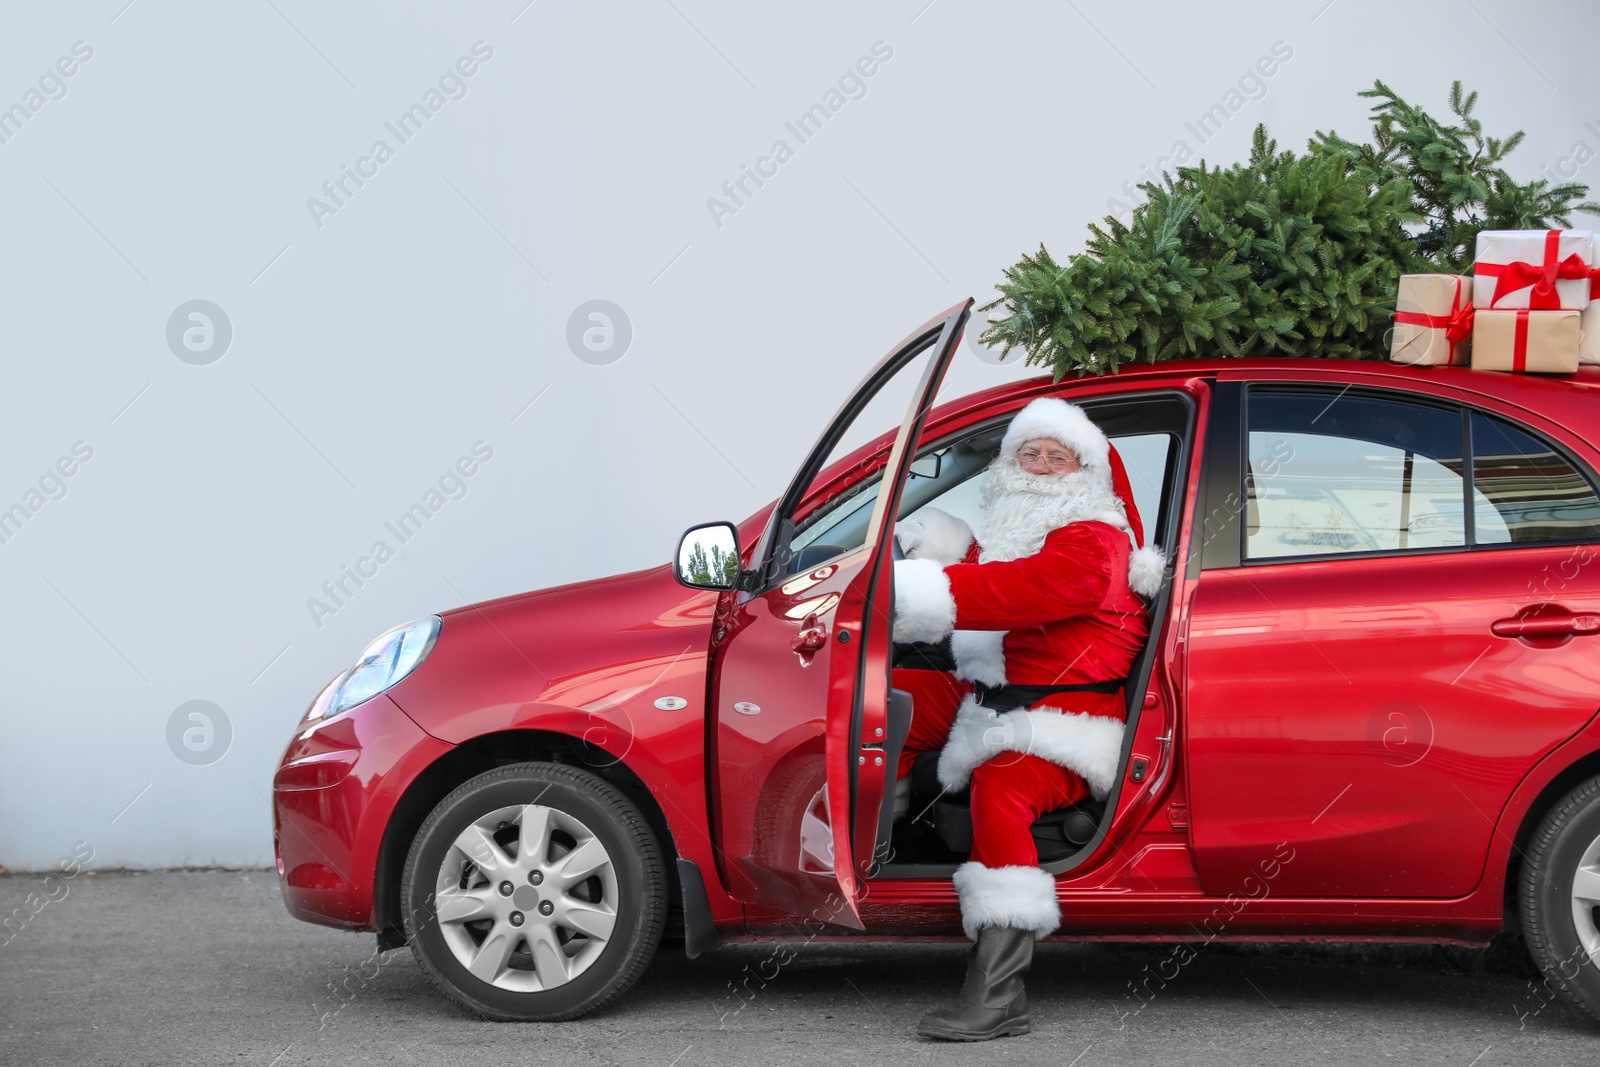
(1021, 509)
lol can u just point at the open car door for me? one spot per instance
(804, 737)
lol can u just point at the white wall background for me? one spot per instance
(369, 352)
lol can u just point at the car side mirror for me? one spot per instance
(708, 556)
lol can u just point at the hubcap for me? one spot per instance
(525, 939)
(1586, 898)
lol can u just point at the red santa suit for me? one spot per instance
(1046, 594)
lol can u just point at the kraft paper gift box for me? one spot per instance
(1545, 270)
(1432, 320)
(1535, 342)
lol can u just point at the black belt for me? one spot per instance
(1026, 696)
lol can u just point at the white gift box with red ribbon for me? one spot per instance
(1543, 270)
(1589, 321)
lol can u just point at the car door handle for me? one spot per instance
(812, 635)
(1548, 626)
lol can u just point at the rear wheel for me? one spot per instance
(1560, 897)
(535, 891)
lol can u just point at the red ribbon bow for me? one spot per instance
(1460, 326)
(1519, 274)
(1457, 325)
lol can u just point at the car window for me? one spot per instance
(1144, 455)
(1524, 490)
(841, 522)
(1341, 473)
(960, 500)
(1338, 473)
(840, 525)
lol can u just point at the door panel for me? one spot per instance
(1364, 711)
(801, 675)
(775, 831)
(1376, 711)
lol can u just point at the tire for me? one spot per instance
(791, 824)
(534, 892)
(1559, 897)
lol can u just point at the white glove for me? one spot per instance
(934, 534)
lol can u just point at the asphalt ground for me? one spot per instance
(207, 968)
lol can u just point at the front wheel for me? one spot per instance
(1560, 897)
(536, 892)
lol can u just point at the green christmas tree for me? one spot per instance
(1295, 255)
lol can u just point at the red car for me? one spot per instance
(1367, 710)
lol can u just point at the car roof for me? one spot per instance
(1568, 399)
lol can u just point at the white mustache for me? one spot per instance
(1021, 508)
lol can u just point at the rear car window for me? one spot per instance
(1524, 490)
(1329, 473)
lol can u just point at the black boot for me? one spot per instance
(992, 1002)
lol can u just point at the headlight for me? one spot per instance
(389, 658)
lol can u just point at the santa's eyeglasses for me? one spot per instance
(1055, 460)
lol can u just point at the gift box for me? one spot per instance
(1432, 320)
(1589, 322)
(1544, 270)
(1589, 325)
(1535, 342)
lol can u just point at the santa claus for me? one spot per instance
(1044, 611)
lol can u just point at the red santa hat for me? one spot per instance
(1069, 424)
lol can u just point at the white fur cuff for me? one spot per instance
(936, 535)
(1022, 898)
(1090, 745)
(924, 609)
(975, 737)
(1146, 569)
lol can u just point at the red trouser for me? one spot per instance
(1009, 792)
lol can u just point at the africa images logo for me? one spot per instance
(52, 86)
(852, 85)
(451, 485)
(452, 85)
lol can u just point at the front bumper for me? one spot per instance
(333, 795)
